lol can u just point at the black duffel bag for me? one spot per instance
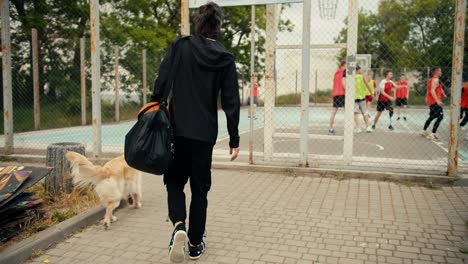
(148, 145)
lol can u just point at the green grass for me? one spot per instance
(325, 97)
(321, 97)
(62, 114)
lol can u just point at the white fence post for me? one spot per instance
(144, 75)
(353, 10)
(184, 17)
(96, 77)
(83, 80)
(117, 84)
(6, 73)
(35, 57)
(457, 71)
(270, 86)
(252, 79)
(304, 141)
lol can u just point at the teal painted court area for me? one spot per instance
(285, 118)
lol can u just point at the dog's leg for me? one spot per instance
(137, 201)
(111, 205)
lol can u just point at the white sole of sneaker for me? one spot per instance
(177, 252)
(195, 258)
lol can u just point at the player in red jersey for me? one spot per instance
(338, 93)
(402, 96)
(464, 102)
(434, 101)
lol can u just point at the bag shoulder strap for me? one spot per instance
(175, 65)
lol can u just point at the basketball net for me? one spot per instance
(328, 8)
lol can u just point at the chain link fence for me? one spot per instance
(405, 37)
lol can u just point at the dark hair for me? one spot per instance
(434, 69)
(342, 63)
(386, 72)
(402, 75)
(208, 20)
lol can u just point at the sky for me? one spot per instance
(322, 31)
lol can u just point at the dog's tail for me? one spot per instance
(83, 171)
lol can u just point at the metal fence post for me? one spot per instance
(350, 80)
(252, 72)
(83, 80)
(117, 84)
(270, 41)
(457, 71)
(37, 112)
(144, 75)
(6, 73)
(184, 18)
(96, 77)
(304, 141)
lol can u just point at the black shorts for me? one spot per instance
(401, 101)
(338, 101)
(254, 100)
(382, 105)
(436, 110)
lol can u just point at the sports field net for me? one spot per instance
(390, 38)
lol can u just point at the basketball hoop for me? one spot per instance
(328, 8)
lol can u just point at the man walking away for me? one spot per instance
(338, 93)
(203, 69)
(362, 89)
(434, 101)
(385, 98)
(402, 96)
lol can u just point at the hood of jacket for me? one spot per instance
(210, 53)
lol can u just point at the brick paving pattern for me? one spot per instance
(267, 218)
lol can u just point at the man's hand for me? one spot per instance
(440, 103)
(392, 99)
(234, 152)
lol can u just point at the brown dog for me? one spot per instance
(112, 182)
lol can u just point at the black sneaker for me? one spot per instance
(398, 119)
(391, 127)
(373, 127)
(177, 244)
(404, 118)
(331, 131)
(197, 251)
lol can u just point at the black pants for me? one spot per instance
(192, 161)
(436, 112)
(463, 116)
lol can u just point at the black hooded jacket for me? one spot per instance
(202, 69)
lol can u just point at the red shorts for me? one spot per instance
(369, 98)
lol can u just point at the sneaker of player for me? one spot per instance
(391, 127)
(404, 118)
(331, 131)
(369, 129)
(433, 137)
(424, 133)
(398, 119)
(373, 127)
(177, 244)
(357, 130)
(197, 251)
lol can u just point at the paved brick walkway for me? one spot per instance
(265, 218)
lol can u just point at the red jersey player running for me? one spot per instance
(338, 94)
(434, 101)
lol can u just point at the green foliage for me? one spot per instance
(130, 25)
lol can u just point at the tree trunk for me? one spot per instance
(59, 179)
